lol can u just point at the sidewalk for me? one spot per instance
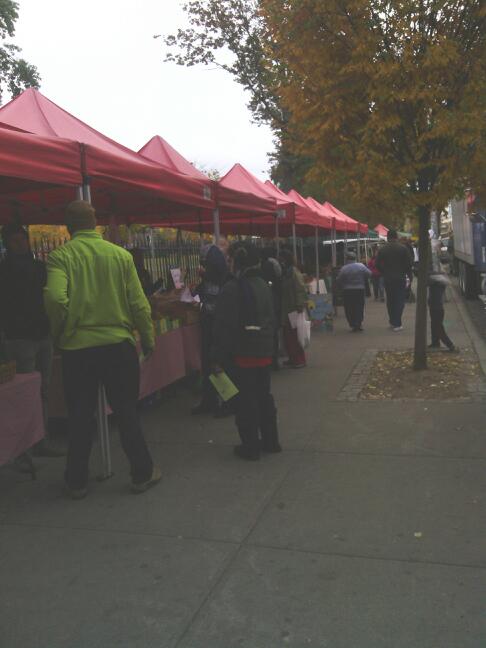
(368, 531)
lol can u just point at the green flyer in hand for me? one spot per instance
(223, 385)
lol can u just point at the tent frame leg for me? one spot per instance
(101, 412)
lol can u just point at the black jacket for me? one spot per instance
(215, 275)
(394, 261)
(22, 312)
(244, 320)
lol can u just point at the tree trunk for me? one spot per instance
(420, 350)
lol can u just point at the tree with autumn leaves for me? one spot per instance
(387, 100)
(16, 73)
(390, 97)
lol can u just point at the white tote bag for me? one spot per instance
(303, 330)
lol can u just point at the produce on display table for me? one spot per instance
(8, 371)
(168, 308)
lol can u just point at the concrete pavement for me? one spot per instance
(368, 531)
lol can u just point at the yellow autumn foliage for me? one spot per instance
(387, 97)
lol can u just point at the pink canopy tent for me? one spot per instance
(28, 162)
(230, 202)
(292, 216)
(305, 214)
(381, 230)
(159, 150)
(121, 181)
(348, 224)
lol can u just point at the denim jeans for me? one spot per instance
(30, 356)
(395, 289)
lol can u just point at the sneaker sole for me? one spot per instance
(138, 489)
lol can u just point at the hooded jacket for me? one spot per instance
(244, 319)
(215, 275)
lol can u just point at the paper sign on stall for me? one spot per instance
(176, 275)
(313, 287)
(223, 385)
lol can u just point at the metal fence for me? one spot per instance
(160, 255)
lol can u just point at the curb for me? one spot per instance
(477, 342)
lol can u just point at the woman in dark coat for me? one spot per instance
(214, 274)
(243, 338)
(294, 299)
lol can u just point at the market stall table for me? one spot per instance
(166, 364)
(176, 354)
(21, 421)
(191, 341)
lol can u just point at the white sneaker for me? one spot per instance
(398, 328)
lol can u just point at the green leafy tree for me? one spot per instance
(16, 73)
(233, 35)
(387, 97)
(230, 35)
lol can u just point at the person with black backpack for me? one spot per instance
(244, 337)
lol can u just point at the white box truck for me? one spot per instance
(469, 250)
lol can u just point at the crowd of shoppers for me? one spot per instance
(92, 297)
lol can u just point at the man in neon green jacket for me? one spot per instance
(94, 301)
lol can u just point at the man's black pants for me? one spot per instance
(395, 289)
(354, 303)
(115, 366)
(256, 415)
(437, 328)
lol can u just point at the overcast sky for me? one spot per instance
(98, 60)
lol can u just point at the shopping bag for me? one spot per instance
(223, 385)
(303, 330)
(293, 319)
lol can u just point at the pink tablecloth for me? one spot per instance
(176, 354)
(21, 423)
(165, 365)
(191, 340)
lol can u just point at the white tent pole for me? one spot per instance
(294, 241)
(316, 238)
(86, 191)
(101, 414)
